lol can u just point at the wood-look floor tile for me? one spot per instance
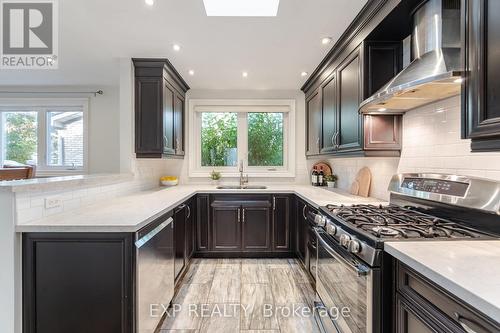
(178, 331)
(223, 318)
(226, 286)
(200, 272)
(293, 323)
(193, 293)
(182, 318)
(254, 271)
(285, 289)
(254, 300)
(259, 331)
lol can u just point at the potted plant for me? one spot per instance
(215, 176)
(330, 180)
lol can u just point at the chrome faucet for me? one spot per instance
(243, 179)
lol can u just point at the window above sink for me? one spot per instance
(257, 132)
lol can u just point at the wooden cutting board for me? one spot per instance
(361, 184)
(327, 169)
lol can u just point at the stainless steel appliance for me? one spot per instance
(435, 72)
(352, 269)
(154, 272)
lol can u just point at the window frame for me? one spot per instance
(242, 107)
(41, 106)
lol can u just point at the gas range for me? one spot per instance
(422, 207)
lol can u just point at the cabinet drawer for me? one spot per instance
(440, 303)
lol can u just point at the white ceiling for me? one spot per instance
(94, 34)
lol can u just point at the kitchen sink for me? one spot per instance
(244, 187)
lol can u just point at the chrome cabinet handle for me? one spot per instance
(165, 140)
(177, 144)
(189, 212)
(239, 215)
(304, 212)
(274, 203)
(243, 215)
(337, 139)
(333, 138)
(461, 320)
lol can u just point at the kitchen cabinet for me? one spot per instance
(256, 226)
(301, 229)
(202, 223)
(334, 125)
(159, 109)
(422, 306)
(480, 87)
(349, 121)
(226, 226)
(190, 229)
(281, 230)
(313, 120)
(180, 214)
(78, 282)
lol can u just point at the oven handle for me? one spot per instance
(361, 269)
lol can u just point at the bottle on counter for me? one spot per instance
(314, 177)
(321, 175)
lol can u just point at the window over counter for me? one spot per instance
(50, 134)
(257, 132)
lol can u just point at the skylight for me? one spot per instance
(241, 7)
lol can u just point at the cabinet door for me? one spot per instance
(383, 63)
(190, 218)
(301, 227)
(226, 228)
(481, 88)
(329, 115)
(313, 119)
(202, 222)
(168, 119)
(148, 116)
(281, 223)
(349, 96)
(78, 282)
(407, 320)
(256, 224)
(180, 238)
(383, 132)
(179, 125)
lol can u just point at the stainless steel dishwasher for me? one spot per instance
(154, 272)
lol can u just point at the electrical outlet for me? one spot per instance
(52, 203)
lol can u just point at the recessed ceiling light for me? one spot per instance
(244, 74)
(304, 74)
(241, 7)
(149, 2)
(382, 109)
(176, 47)
(326, 40)
(191, 72)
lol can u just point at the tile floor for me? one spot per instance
(243, 295)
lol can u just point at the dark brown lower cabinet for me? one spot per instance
(281, 231)
(256, 225)
(78, 282)
(422, 306)
(226, 226)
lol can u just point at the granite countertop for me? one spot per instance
(469, 270)
(132, 212)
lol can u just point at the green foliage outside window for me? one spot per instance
(20, 136)
(265, 139)
(218, 139)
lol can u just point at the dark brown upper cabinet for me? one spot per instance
(159, 109)
(334, 124)
(481, 88)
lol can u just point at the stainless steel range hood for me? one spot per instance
(435, 73)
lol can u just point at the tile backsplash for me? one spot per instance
(432, 143)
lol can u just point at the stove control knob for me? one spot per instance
(331, 228)
(354, 246)
(345, 240)
(319, 220)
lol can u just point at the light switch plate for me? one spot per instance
(52, 203)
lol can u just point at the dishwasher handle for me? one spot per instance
(143, 240)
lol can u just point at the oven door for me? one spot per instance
(344, 286)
